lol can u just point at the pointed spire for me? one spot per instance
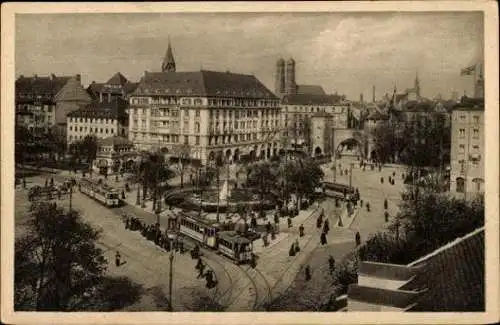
(168, 64)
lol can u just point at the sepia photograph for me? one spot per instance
(273, 161)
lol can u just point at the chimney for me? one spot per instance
(35, 76)
(52, 76)
(78, 78)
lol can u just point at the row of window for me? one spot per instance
(44, 108)
(475, 133)
(475, 118)
(91, 130)
(199, 101)
(90, 120)
(460, 181)
(461, 148)
(329, 109)
(235, 138)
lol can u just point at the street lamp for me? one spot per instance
(170, 280)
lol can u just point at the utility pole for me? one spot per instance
(170, 281)
(71, 197)
(218, 191)
(200, 191)
(350, 176)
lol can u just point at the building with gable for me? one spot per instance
(116, 87)
(224, 114)
(35, 101)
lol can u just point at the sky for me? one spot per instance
(343, 52)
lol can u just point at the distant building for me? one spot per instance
(321, 135)
(467, 147)
(70, 98)
(285, 81)
(410, 94)
(35, 101)
(297, 109)
(449, 279)
(116, 87)
(115, 154)
(101, 119)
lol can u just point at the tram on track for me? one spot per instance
(231, 244)
(102, 193)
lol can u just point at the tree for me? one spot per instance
(383, 138)
(263, 176)
(58, 266)
(155, 174)
(183, 152)
(304, 175)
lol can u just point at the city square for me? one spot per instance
(193, 179)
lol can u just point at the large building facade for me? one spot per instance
(116, 87)
(100, 119)
(467, 147)
(233, 116)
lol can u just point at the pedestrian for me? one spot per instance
(201, 268)
(268, 227)
(289, 222)
(331, 264)
(58, 194)
(277, 222)
(393, 174)
(380, 167)
(381, 180)
(24, 182)
(326, 227)
(253, 222)
(291, 252)
(116, 178)
(308, 272)
(297, 247)
(273, 233)
(323, 240)
(319, 222)
(46, 182)
(367, 206)
(358, 239)
(265, 239)
(123, 195)
(52, 182)
(301, 230)
(361, 203)
(181, 247)
(386, 214)
(117, 258)
(385, 204)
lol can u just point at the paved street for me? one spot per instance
(240, 288)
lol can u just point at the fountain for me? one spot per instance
(225, 192)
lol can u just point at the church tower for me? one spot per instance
(417, 86)
(168, 64)
(279, 87)
(290, 77)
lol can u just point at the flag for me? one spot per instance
(468, 71)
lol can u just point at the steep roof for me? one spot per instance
(115, 141)
(73, 91)
(454, 276)
(377, 116)
(308, 99)
(470, 104)
(203, 83)
(115, 109)
(29, 88)
(310, 89)
(117, 79)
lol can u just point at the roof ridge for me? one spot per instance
(451, 244)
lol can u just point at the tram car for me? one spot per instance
(337, 190)
(203, 231)
(102, 193)
(236, 247)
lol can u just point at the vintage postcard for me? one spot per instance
(250, 163)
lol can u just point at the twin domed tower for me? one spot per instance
(285, 79)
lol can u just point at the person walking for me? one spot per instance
(297, 247)
(277, 222)
(301, 230)
(319, 221)
(358, 239)
(308, 272)
(331, 264)
(289, 220)
(291, 252)
(326, 227)
(268, 227)
(117, 258)
(323, 240)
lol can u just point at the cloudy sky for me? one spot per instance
(343, 52)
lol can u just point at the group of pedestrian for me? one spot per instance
(294, 248)
(154, 234)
